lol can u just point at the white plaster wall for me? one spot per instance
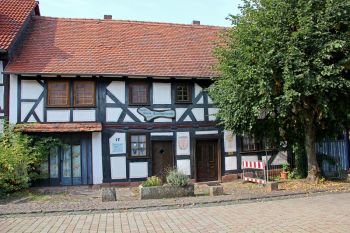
(231, 163)
(188, 118)
(179, 113)
(84, 115)
(162, 134)
(117, 88)
(184, 165)
(212, 112)
(118, 167)
(30, 89)
(25, 109)
(97, 158)
(138, 169)
(1, 88)
(1, 125)
(198, 113)
(40, 110)
(128, 118)
(58, 115)
(1, 97)
(230, 143)
(138, 115)
(161, 93)
(183, 140)
(1, 70)
(113, 114)
(13, 99)
(207, 132)
(197, 89)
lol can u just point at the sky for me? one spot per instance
(209, 12)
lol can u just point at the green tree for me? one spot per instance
(284, 71)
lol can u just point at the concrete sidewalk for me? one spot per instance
(325, 213)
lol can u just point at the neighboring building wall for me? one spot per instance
(2, 96)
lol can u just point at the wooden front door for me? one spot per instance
(162, 158)
(207, 160)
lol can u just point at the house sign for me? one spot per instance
(153, 114)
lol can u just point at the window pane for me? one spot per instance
(76, 161)
(58, 94)
(67, 162)
(84, 93)
(139, 93)
(138, 145)
(54, 162)
(183, 93)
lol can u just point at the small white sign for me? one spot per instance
(117, 144)
(183, 143)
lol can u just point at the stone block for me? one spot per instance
(167, 191)
(271, 186)
(108, 194)
(216, 190)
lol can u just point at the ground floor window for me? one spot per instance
(68, 164)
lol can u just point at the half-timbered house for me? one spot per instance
(127, 98)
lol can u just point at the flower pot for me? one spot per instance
(284, 175)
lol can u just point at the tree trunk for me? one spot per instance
(310, 139)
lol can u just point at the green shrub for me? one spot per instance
(177, 178)
(285, 167)
(295, 174)
(152, 181)
(20, 156)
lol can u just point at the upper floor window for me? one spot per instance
(139, 93)
(58, 94)
(84, 93)
(183, 93)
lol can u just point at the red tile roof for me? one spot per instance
(59, 127)
(13, 13)
(115, 47)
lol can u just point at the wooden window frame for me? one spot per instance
(147, 145)
(144, 83)
(49, 92)
(75, 99)
(249, 150)
(189, 89)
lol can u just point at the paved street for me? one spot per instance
(326, 213)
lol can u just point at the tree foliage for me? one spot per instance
(284, 71)
(20, 157)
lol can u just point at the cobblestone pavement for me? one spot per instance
(326, 213)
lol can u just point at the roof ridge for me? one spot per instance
(131, 21)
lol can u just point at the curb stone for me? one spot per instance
(174, 205)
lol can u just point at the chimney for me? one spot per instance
(108, 17)
(196, 22)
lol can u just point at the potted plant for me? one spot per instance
(284, 172)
